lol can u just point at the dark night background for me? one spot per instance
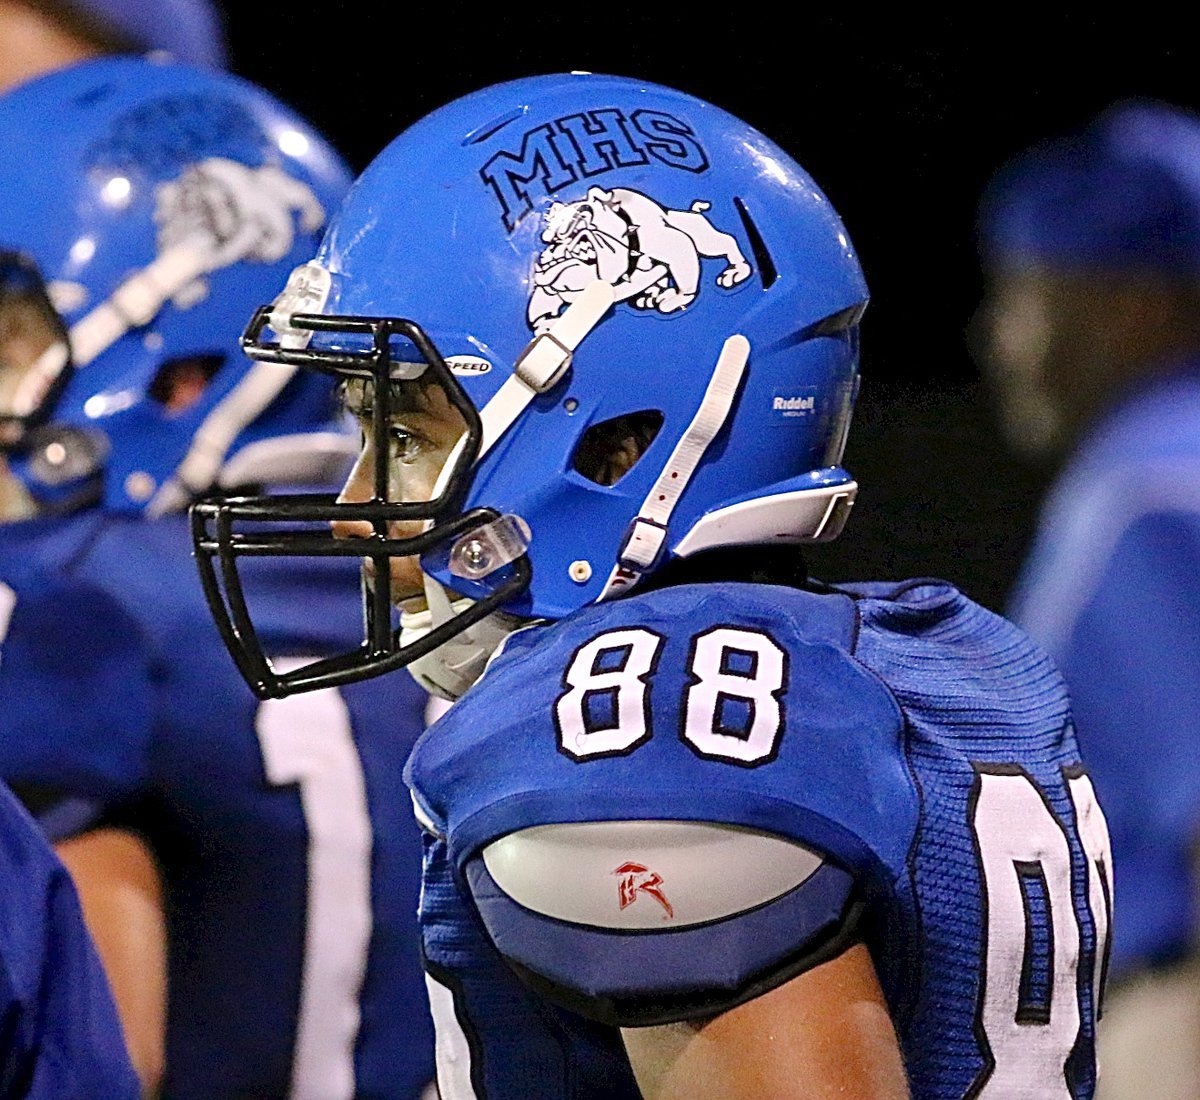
(901, 122)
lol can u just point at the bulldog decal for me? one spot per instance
(650, 255)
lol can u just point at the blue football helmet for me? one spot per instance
(136, 230)
(561, 254)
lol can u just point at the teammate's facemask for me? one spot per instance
(421, 439)
(35, 355)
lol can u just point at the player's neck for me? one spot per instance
(754, 564)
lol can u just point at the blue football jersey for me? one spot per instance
(1110, 591)
(659, 808)
(59, 1035)
(290, 860)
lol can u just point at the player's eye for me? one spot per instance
(405, 445)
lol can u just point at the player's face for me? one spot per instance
(424, 429)
(1018, 337)
(1058, 345)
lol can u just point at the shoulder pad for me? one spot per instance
(594, 872)
(639, 923)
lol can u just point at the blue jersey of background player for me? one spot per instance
(794, 843)
(1096, 341)
(59, 1032)
(288, 870)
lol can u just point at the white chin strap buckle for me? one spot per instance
(453, 667)
(541, 366)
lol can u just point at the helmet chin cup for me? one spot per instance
(448, 671)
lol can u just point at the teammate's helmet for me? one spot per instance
(1119, 196)
(144, 208)
(563, 254)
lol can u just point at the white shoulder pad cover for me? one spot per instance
(645, 874)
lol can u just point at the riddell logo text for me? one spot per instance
(794, 404)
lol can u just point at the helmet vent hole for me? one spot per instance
(611, 448)
(180, 383)
(762, 258)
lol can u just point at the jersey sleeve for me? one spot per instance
(76, 698)
(668, 810)
(494, 1037)
(61, 1036)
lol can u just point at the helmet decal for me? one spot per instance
(559, 153)
(169, 132)
(228, 213)
(650, 255)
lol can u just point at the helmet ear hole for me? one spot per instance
(611, 448)
(180, 383)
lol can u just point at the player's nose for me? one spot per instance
(358, 488)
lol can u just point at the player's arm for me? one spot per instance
(826, 1033)
(120, 890)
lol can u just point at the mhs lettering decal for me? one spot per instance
(562, 152)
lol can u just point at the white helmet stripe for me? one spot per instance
(136, 301)
(261, 384)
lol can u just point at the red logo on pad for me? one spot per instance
(636, 879)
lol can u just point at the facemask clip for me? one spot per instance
(481, 552)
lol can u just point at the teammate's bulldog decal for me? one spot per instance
(650, 255)
(223, 212)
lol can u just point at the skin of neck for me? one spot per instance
(32, 44)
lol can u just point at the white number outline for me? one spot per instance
(700, 734)
(579, 681)
(993, 1080)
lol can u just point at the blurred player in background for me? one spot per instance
(703, 828)
(59, 1034)
(1092, 250)
(37, 36)
(248, 869)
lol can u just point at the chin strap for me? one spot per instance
(647, 535)
(540, 367)
(137, 300)
(449, 670)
